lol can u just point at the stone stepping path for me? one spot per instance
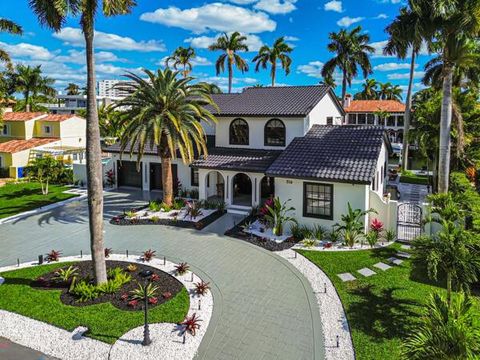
(366, 272)
(395, 261)
(382, 266)
(2, 280)
(346, 277)
(404, 254)
(406, 247)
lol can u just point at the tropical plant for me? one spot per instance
(334, 235)
(190, 324)
(201, 288)
(107, 252)
(44, 170)
(166, 112)
(372, 238)
(72, 89)
(278, 215)
(447, 331)
(211, 88)
(193, 210)
(390, 235)
(272, 55)
(84, 291)
(387, 91)
(352, 226)
(54, 14)
(181, 57)
(132, 268)
(296, 231)
(139, 293)
(309, 243)
(9, 27)
(230, 45)
(182, 268)
(114, 272)
(154, 206)
(319, 232)
(352, 50)
(369, 91)
(65, 275)
(32, 85)
(148, 255)
(52, 256)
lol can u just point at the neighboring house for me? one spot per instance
(72, 104)
(279, 141)
(366, 112)
(26, 135)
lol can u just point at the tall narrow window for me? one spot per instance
(194, 176)
(318, 200)
(275, 133)
(239, 132)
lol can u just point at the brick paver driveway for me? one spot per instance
(264, 308)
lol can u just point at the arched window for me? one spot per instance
(238, 132)
(275, 133)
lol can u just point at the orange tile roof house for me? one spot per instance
(29, 134)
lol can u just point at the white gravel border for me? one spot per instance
(356, 247)
(62, 344)
(332, 314)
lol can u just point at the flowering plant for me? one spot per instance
(376, 225)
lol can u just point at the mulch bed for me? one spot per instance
(166, 284)
(123, 221)
(237, 233)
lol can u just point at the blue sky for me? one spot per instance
(156, 27)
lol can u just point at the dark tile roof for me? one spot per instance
(237, 159)
(336, 153)
(272, 101)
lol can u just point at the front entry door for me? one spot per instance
(156, 176)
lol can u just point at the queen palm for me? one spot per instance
(9, 27)
(182, 57)
(271, 55)
(369, 91)
(230, 45)
(406, 33)
(165, 112)
(352, 50)
(31, 84)
(54, 14)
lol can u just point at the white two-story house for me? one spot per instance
(279, 141)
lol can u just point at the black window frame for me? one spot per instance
(193, 172)
(317, 216)
(265, 135)
(329, 120)
(231, 136)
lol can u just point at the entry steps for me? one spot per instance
(239, 210)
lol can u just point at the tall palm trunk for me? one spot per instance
(27, 101)
(445, 127)
(344, 88)
(230, 75)
(94, 168)
(167, 179)
(274, 73)
(408, 112)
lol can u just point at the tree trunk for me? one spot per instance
(445, 128)
(46, 187)
(230, 75)
(167, 179)
(406, 121)
(274, 73)
(344, 88)
(27, 102)
(94, 168)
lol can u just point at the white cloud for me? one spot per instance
(381, 16)
(243, 2)
(403, 76)
(390, 1)
(25, 50)
(222, 81)
(74, 37)
(291, 38)
(346, 21)
(392, 66)
(276, 6)
(333, 5)
(312, 69)
(253, 42)
(196, 61)
(214, 16)
(78, 57)
(379, 45)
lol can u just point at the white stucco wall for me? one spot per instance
(380, 179)
(386, 210)
(325, 108)
(355, 194)
(73, 132)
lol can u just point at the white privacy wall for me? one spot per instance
(343, 193)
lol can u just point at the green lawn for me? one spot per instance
(414, 179)
(381, 309)
(106, 322)
(17, 198)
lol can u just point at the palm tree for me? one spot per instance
(352, 50)
(211, 88)
(369, 92)
(390, 92)
(31, 84)
(230, 45)
(406, 32)
(54, 14)
(9, 27)
(165, 112)
(270, 55)
(182, 57)
(72, 89)
(446, 331)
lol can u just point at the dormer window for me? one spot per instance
(239, 132)
(275, 133)
(47, 129)
(5, 129)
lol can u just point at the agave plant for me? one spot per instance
(190, 324)
(139, 292)
(278, 215)
(182, 268)
(52, 256)
(202, 287)
(65, 275)
(148, 255)
(352, 227)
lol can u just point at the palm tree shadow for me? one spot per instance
(381, 315)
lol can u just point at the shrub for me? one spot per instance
(114, 272)
(155, 219)
(372, 237)
(277, 215)
(334, 235)
(108, 251)
(201, 288)
(130, 214)
(309, 243)
(307, 232)
(297, 232)
(193, 210)
(84, 291)
(110, 287)
(467, 197)
(65, 275)
(390, 235)
(139, 292)
(178, 204)
(52, 256)
(154, 206)
(352, 225)
(319, 232)
(220, 206)
(182, 268)
(148, 255)
(165, 207)
(194, 194)
(190, 324)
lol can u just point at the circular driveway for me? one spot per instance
(264, 308)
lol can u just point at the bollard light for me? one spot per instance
(40, 259)
(146, 274)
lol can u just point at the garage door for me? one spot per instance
(128, 174)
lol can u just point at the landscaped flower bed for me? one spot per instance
(187, 214)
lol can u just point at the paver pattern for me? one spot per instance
(382, 266)
(347, 277)
(395, 261)
(262, 307)
(366, 272)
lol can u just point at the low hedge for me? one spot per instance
(414, 179)
(467, 196)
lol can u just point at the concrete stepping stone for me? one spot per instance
(2, 280)
(404, 254)
(382, 266)
(395, 261)
(406, 247)
(346, 277)
(366, 272)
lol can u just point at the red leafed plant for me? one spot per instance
(53, 255)
(153, 301)
(148, 255)
(190, 324)
(376, 225)
(108, 251)
(268, 203)
(201, 288)
(182, 268)
(167, 295)
(124, 297)
(155, 277)
(133, 303)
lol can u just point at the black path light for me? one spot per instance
(146, 274)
